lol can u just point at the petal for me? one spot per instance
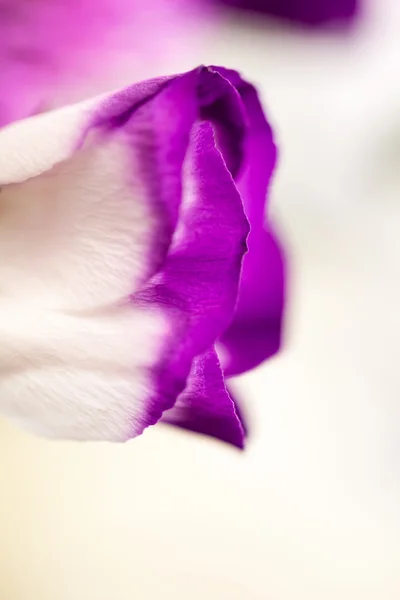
(113, 280)
(255, 333)
(205, 405)
(310, 12)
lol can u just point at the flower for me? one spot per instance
(123, 227)
(309, 12)
(54, 52)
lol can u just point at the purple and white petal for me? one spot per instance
(121, 241)
(307, 12)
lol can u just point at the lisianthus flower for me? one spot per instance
(54, 52)
(124, 221)
(309, 12)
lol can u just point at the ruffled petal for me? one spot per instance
(205, 406)
(255, 333)
(122, 238)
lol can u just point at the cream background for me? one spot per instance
(311, 510)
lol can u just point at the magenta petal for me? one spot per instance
(308, 12)
(255, 333)
(205, 406)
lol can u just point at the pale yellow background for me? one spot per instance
(312, 509)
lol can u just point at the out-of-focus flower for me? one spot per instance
(122, 235)
(310, 12)
(57, 51)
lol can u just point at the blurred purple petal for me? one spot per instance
(309, 12)
(58, 51)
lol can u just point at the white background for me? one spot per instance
(312, 509)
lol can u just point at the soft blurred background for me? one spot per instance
(311, 510)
